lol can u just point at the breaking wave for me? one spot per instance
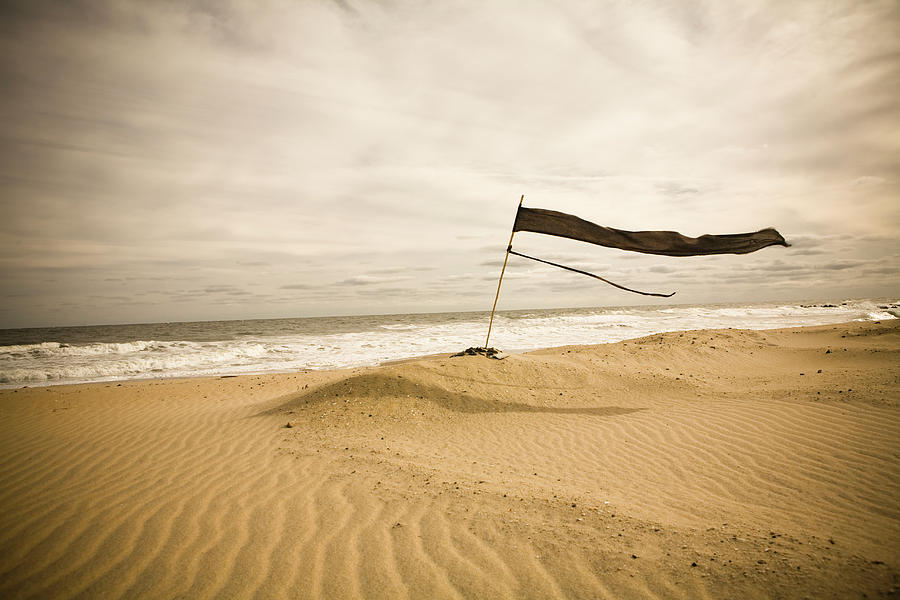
(297, 344)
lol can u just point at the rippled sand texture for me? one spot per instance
(685, 465)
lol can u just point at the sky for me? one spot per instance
(179, 161)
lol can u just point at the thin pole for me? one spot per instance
(502, 271)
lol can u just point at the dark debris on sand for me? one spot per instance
(488, 352)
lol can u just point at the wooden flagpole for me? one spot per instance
(503, 270)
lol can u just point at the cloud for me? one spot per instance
(371, 280)
(223, 289)
(840, 265)
(314, 151)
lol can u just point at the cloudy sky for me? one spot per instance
(218, 160)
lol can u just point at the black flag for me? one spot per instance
(668, 243)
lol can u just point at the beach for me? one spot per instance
(721, 463)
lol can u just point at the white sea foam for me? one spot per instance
(380, 339)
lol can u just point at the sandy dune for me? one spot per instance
(716, 464)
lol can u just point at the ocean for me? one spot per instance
(58, 355)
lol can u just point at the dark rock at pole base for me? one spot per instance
(488, 352)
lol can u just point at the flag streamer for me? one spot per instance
(621, 287)
(667, 243)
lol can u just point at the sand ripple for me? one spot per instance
(678, 466)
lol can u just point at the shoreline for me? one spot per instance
(56, 383)
(682, 464)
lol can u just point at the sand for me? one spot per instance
(706, 464)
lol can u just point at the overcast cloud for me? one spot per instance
(217, 160)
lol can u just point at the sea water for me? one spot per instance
(44, 356)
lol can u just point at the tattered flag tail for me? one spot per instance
(621, 287)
